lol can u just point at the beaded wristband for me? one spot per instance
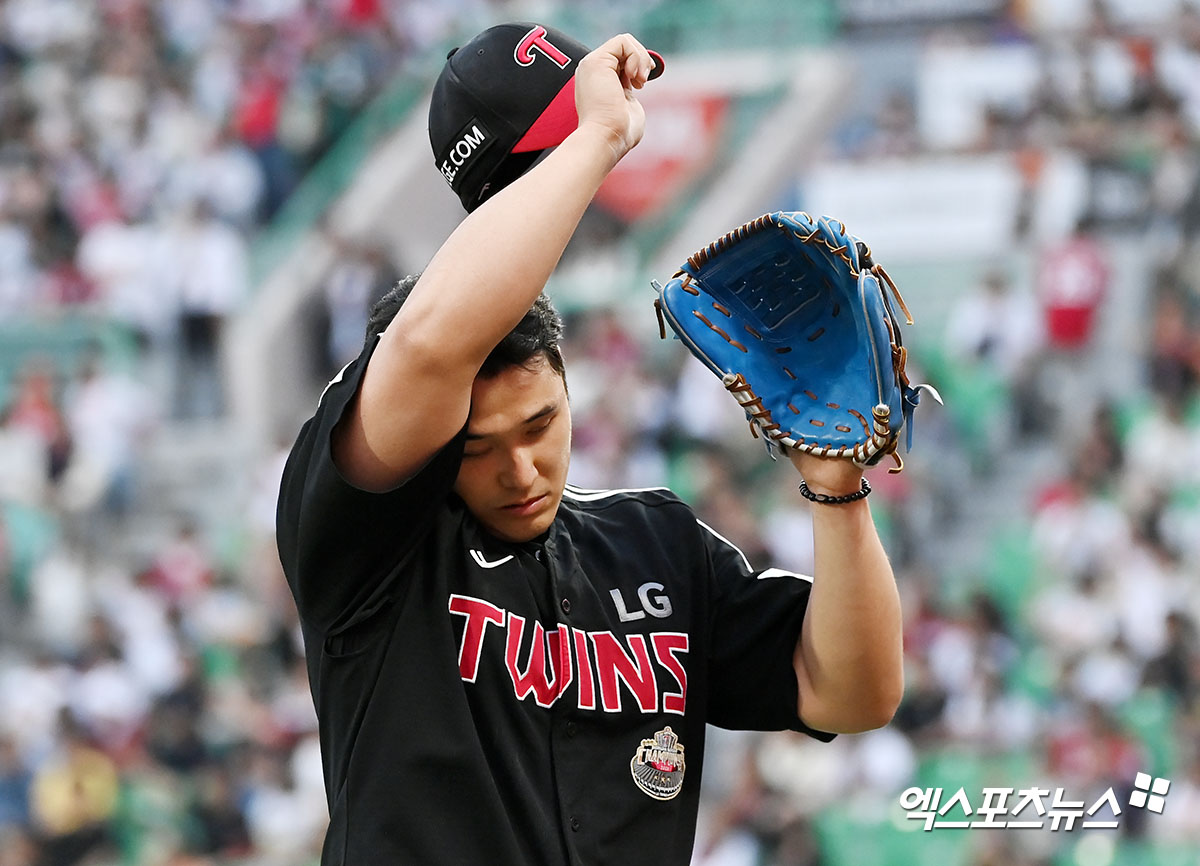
(826, 499)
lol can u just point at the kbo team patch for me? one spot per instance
(658, 765)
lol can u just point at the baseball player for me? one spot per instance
(509, 669)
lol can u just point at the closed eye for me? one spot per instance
(536, 427)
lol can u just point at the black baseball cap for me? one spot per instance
(501, 101)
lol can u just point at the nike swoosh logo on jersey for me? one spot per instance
(485, 563)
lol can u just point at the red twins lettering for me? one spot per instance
(587, 687)
(544, 664)
(536, 38)
(613, 663)
(479, 614)
(545, 691)
(666, 645)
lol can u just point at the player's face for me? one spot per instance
(518, 447)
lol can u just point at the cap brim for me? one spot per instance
(554, 124)
(659, 65)
(560, 118)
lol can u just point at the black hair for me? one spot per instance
(536, 335)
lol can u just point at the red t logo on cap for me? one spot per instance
(536, 38)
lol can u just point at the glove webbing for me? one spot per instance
(698, 260)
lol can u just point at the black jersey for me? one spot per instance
(482, 702)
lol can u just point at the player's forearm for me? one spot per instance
(850, 659)
(490, 270)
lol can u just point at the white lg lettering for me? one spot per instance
(657, 605)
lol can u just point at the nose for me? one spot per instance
(520, 472)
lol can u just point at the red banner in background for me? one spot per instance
(680, 142)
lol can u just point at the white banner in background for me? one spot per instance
(1052, 15)
(955, 84)
(922, 209)
(863, 12)
(942, 208)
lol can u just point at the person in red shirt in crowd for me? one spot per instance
(1073, 281)
(35, 406)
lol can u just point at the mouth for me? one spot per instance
(526, 506)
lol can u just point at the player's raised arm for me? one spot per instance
(800, 322)
(415, 394)
(850, 661)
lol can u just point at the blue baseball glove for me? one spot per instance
(796, 318)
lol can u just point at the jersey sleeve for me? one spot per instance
(340, 545)
(756, 621)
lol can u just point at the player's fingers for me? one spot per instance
(634, 63)
(635, 75)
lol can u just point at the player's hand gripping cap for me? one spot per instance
(502, 100)
(796, 318)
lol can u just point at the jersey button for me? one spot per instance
(565, 604)
(575, 825)
(572, 729)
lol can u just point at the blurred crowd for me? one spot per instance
(1070, 656)
(153, 705)
(153, 701)
(142, 142)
